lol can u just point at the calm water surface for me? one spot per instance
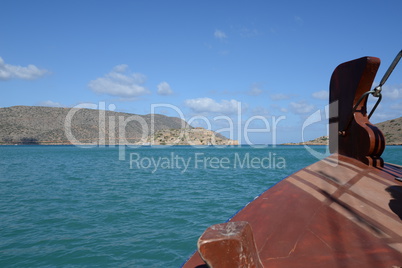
(64, 206)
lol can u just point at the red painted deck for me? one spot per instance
(337, 212)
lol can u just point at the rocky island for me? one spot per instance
(187, 136)
(81, 126)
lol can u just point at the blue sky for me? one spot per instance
(247, 60)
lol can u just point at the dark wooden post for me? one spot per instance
(350, 131)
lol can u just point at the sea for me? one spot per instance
(69, 206)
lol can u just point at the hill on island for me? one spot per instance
(392, 130)
(49, 125)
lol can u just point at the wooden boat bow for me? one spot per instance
(342, 211)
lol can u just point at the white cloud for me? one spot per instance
(49, 103)
(299, 21)
(31, 72)
(381, 115)
(220, 35)
(120, 83)
(120, 68)
(164, 89)
(260, 111)
(208, 105)
(279, 108)
(86, 105)
(280, 96)
(321, 95)
(255, 90)
(392, 92)
(246, 32)
(301, 107)
(396, 106)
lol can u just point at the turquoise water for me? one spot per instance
(65, 206)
